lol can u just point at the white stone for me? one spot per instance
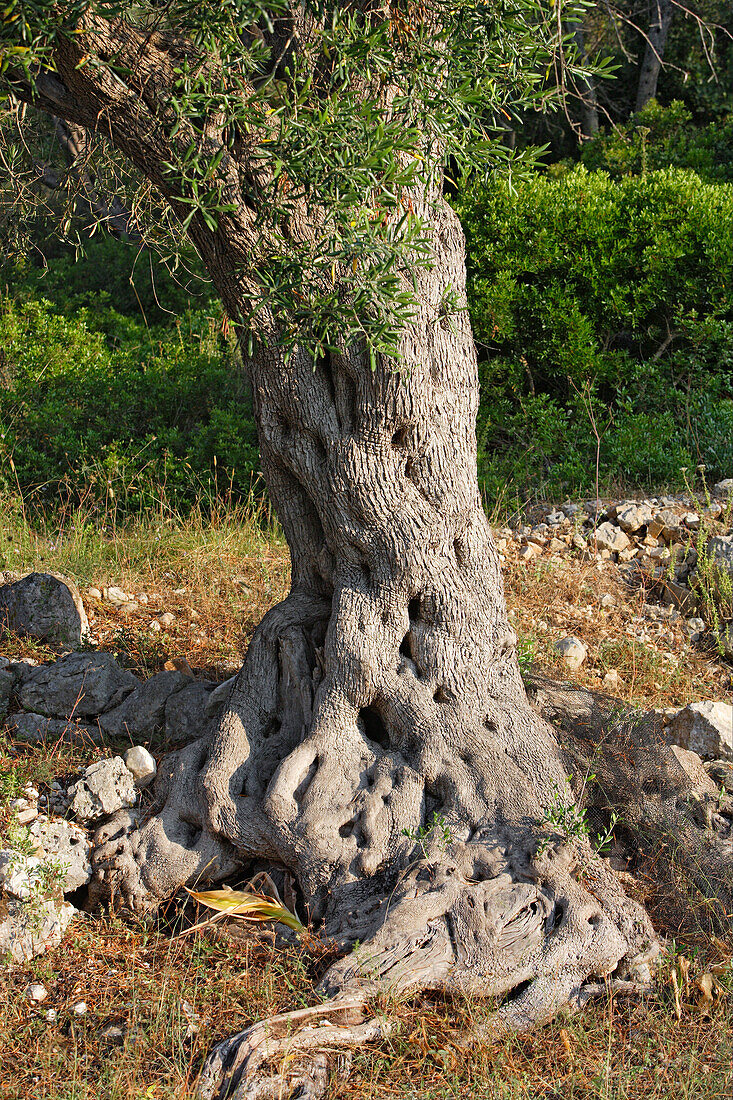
(36, 992)
(103, 789)
(572, 651)
(724, 488)
(116, 595)
(94, 593)
(30, 928)
(80, 1008)
(631, 517)
(19, 874)
(67, 844)
(611, 538)
(167, 619)
(142, 765)
(705, 728)
(612, 678)
(608, 600)
(51, 1015)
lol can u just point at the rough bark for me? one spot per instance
(378, 742)
(662, 12)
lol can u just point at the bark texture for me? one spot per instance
(378, 742)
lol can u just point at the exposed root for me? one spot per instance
(232, 1068)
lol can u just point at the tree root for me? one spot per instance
(232, 1068)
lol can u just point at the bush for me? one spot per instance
(663, 137)
(595, 299)
(121, 415)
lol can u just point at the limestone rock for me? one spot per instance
(706, 728)
(572, 651)
(720, 550)
(44, 606)
(631, 516)
(81, 684)
(143, 711)
(142, 765)
(68, 844)
(30, 928)
(20, 875)
(36, 729)
(103, 789)
(185, 712)
(612, 538)
(724, 488)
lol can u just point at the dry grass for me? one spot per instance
(232, 569)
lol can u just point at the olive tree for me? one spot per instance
(378, 742)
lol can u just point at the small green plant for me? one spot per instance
(711, 583)
(437, 828)
(567, 819)
(526, 654)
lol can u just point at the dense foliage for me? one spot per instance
(99, 404)
(597, 301)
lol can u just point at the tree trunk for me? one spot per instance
(660, 21)
(378, 741)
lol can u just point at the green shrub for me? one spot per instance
(121, 415)
(663, 137)
(604, 300)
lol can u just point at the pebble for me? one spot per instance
(51, 1015)
(80, 1008)
(94, 593)
(167, 619)
(36, 992)
(572, 651)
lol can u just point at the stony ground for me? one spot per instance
(130, 1012)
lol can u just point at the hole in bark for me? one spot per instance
(374, 727)
(300, 791)
(556, 917)
(406, 646)
(413, 608)
(399, 439)
(347, 829)
(366, 570)
(459, 551)
(441, 695)
(516, 993)
(272, 727)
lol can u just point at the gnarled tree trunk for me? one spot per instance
(378, 741)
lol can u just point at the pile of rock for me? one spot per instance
(655, 541)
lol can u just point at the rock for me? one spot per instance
(143, 711)
(611, 538)
(720, 550)
(705, 728)
(94, 593)
(29, 929)
(608, 600)
(39, 730)
(185, 712)
(68, 844)
(142, 765)
(44, 606)
(167, 619)
(80, 1008)
(7, 682)
(116, 596)
(721, 772)
(103, 789)
(677, 595)
(631, 516)
(154, 626)
(695, 628)
(82, 684)
(530, 551)
(20, 875)
(692, 766)
(724, 488)
(36, 992)
(572, 651)
(691, 520)
(51, 1015)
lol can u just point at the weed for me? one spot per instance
(437, 828)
